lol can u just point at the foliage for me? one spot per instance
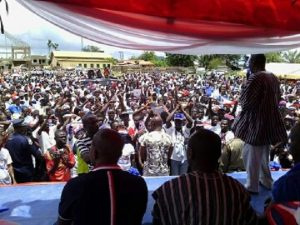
(91, 48)
(213, 61)
(180, 60)
(204, 60)
(151, 57)
(274, 57)
(113, 61)
(291, 56)
(232, 61)
(52, 45)
(160, 62)
(148, 56)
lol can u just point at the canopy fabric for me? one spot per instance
(176, 26)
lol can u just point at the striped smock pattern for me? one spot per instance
(203, 198)
(260, 122)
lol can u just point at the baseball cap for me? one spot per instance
(179, 116)
(18, 123)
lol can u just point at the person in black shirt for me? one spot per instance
(107, 195)
(21, 149)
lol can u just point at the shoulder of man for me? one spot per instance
(159, 192)
(241, 189)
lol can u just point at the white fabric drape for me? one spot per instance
(128, 37)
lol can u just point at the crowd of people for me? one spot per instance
(53, 125)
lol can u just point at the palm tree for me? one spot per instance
(55, 46)
(1, 22)
(49, 44)
(291, 56)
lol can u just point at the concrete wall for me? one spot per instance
(84, 63)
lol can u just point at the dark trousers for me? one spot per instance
(22, 177)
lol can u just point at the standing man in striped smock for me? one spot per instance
(259, 124)
(206, 195)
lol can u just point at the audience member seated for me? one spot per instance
(204, 196)
(232, 156)
(106, 195)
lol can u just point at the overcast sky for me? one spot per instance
(32, 29)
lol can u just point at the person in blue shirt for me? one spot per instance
(287, 188)
(16, 107)
(21, 149)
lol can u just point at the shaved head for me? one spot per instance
(156, 123)
(107, 146)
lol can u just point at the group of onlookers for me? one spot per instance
(55, 127)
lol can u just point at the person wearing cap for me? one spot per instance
(15, 109)
(21, 149)
(179, 132)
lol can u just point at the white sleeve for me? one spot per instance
(7, 156)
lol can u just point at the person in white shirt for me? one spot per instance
(179, 133)
(6, 169)
(46, 134)
(226, 134)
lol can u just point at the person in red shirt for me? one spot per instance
(106, 72)
(59, 159)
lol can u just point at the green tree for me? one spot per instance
(1, 22)
(213, 61)
(204, 60)
(49, 45)
(151, 57)
(55, 46)
(91, 48)
(180, 60)
(113, 61)
(274, 57)
(291, 56)
(52, 45)
(160, 62)
(148, 56)
(232, 61)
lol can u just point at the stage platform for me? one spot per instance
(36, 204)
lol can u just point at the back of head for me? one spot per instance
(204, 150)
(88, 117)
(257, 62)
(107, 146)
(156, 123)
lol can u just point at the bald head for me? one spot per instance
(204, 150)
(257, 63)
(156, 123)
(90, 124)
(107, 147)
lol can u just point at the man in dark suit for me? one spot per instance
(259, 124)
(107, 195)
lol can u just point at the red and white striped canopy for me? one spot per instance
(179, 26)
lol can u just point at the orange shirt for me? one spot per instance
(60, 171)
